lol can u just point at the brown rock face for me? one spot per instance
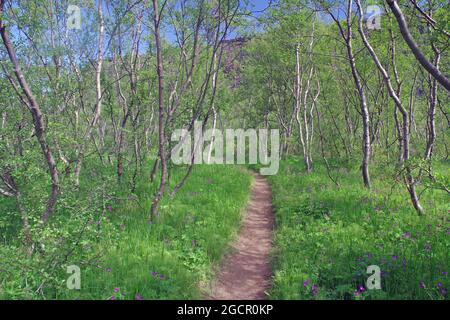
(233, 57)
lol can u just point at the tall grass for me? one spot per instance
(326, 237)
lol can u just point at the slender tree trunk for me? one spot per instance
(161, 122)
(38, 121)
(431, 126)
(311, 117)
(99, 98)
(306, 124)
(398, 129)
(297, 96)
(365, 116)
(154, 170)
(213, 135)
(213, 108)
(410, 183)
(366, 145)
(121, 138)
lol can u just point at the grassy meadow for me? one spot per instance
(326, 236)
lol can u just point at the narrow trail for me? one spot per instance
(245, 273)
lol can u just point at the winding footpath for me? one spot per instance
(245, 273)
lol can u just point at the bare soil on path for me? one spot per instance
(245, 273)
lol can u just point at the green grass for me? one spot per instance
(189, 236)
(168, 259)
(327, 237)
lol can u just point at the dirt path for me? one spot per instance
(245, 273)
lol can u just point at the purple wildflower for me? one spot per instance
(113, 297)
(154, 274)
(306, 282)
(444, 273)
(394, 258)
(138, 296)
(314, 290)
(422, 285)
(407, 234)
(110, 209)
(443, 291)
(162, 277)
(116, 290)
(439, 284)
(427, 247)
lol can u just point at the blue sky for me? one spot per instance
(258, 4)
(252, 5)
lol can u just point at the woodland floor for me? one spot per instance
(245, 273)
